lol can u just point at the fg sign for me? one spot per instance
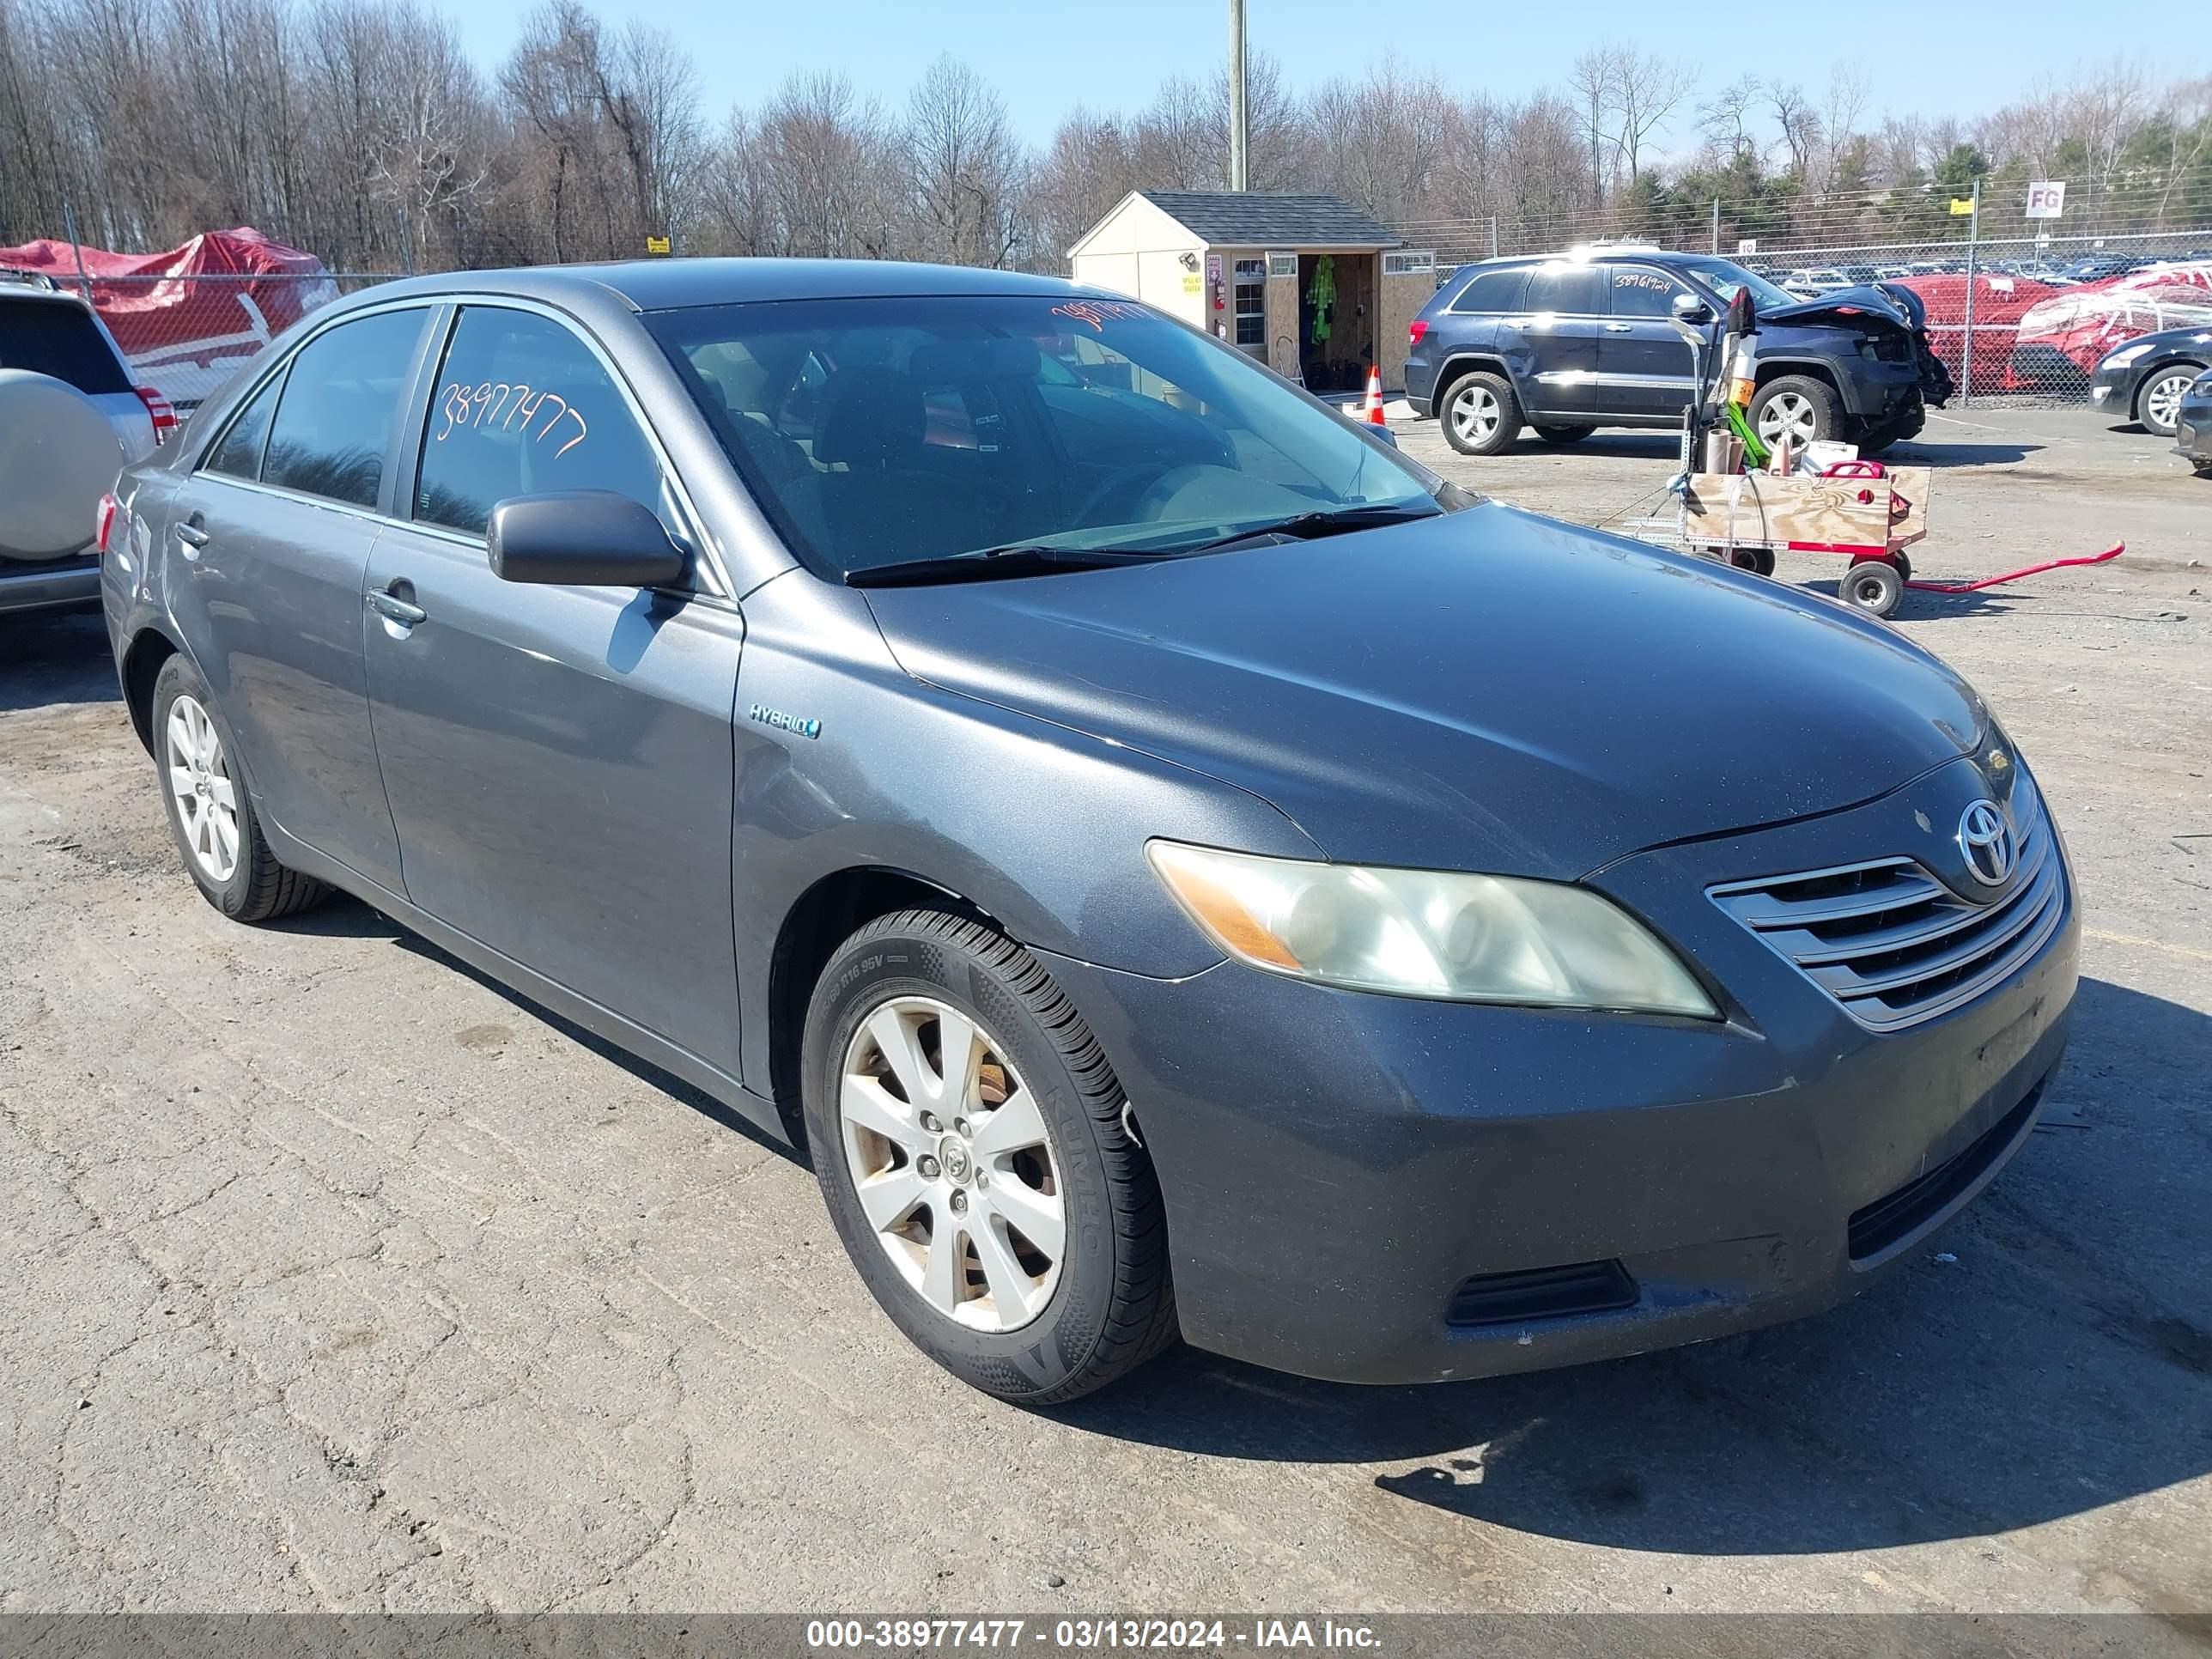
(2046, 198)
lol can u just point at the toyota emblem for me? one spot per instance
(1986, 840)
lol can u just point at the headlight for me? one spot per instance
(2125, 355)
(1437, 933)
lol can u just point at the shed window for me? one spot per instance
(1251, 302)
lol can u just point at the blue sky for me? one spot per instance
(1960, 58)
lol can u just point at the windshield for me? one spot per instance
(880, 431)
(1726, 278)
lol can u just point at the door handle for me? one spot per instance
(1619, 328)
(388, 604)
(190, 534)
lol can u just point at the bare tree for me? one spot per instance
(969, 173)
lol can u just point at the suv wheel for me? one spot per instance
(2158, 405)
(1804, 408)
(1480, 415)
(966, 1132)
(210, 812)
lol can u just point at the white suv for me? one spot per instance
(50, 445)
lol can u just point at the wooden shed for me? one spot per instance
(1307, 283)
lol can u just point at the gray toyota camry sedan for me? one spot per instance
(1171, 864)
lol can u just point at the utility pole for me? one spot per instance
(1240, 126)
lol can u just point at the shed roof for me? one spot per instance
(1251, 218)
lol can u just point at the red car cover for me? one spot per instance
(2081, 325)
(1999, 304)
(187, 317)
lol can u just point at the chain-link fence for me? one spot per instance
(2026, 313)
(184, 336)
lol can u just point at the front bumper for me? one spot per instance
(1337, 1165)
(2192, 438)
(2112, 392)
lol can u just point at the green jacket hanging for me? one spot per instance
(1321, 295)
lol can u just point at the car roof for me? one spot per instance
(1590, 255)
(669, 284)
(16, 283)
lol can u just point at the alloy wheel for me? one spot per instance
(199, 779)
(2161, 401)
(953, 1163)
(1475, 414)
(1790, 412)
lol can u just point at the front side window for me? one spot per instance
(1641, 291)
(877, 431)
(1726, 277)
(340, 402)
(521, 405)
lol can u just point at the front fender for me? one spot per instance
(845, 761)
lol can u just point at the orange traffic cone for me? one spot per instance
(1375, 395)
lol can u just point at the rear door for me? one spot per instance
(271, 536)
(559, 759)
(1557, 333)
(54, 334)
(1645, 368)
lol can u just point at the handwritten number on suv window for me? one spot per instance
(503, 404)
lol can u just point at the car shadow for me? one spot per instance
(55, 656)
(1922, 605)
(1918, 452)
(347, 917)
(2045, 1354)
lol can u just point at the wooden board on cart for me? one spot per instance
(1758, 509)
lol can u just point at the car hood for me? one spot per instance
(1844, 308)
(1485, 689)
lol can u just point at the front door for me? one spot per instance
(275, 529)
(558, 758)
(1643, 366)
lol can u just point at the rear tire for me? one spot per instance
(210, 810)
(1564, 435)
(1036, 1274)
(1480, 414)
(1875, 586)
(1808, 408)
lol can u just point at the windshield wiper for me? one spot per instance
(1329, 521)
(990, 563)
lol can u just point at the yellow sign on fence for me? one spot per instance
(656, 245)
(1960, 207)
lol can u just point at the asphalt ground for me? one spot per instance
(339, 1277)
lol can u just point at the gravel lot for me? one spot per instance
(344, 1279)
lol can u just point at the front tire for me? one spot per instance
(1874, 585)
(210, 810)
(1480, 414)
(1806, 409)
(993, 1205)
(2158, 405)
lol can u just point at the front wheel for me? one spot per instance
(1875, 586)
(969, 1137)
(1798, 407)
(2158, 405)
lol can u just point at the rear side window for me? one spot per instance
(1572, 291)
(239, 454)
(334, 421)
(1494, 290)
(48, 336)
(520, 406)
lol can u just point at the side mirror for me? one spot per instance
(1689, 308)
(582, 539)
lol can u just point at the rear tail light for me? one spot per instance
(105, 522)
(1414, 330)
(164, 413)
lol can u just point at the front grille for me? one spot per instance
(1904, 1212)
(1894, 944)
(1579, 1287)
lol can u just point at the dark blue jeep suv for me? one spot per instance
(1570, 343)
